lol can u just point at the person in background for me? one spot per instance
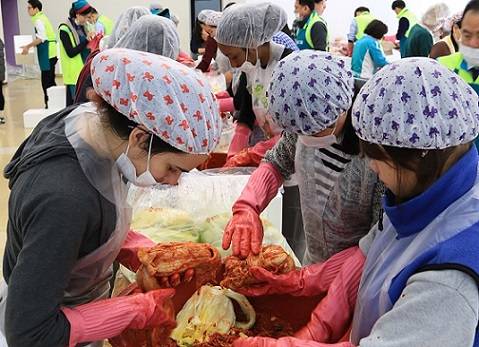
(72, 48)
(418, 267)
(124, 22)
(158, 10)
(284, 38)
(102, 24)
(200, 36)
(211, 47)
(407, 20)
(149, 33)
(368, 55)
(465, 63)
(248, 46)
(419, 42)
(80, 160)
(362, 18)
(2, 78)
(451, 36)
(45, 42)
(311, 95)
(313, 30)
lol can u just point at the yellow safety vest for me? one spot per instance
(314, 18)
(405, 13)
(71, 67)
(362, 21)
(52, 43)
(107, 24)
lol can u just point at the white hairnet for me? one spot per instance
(213, 18)
(203, 15)
(153, 34)
(434, 16)
(124, 22)
(250, 25)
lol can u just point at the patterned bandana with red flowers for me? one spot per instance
(170, 100)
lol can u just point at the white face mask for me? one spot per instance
(319, 142)
(128, 170)
(247, 66)
(470, 54)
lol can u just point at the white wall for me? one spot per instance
(57, 11)
(339, 13)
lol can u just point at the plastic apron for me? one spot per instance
(90, 277)
(259, 81)
(388, 256)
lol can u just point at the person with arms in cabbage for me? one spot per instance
(149, 33)
(340, 196)
(152, 119)
(244, 36)
(421, 266)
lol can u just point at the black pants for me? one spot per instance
(48, 79)
(2, 98)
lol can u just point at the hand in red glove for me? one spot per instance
(245, 230)
(284, 342)
(310, 280)
(105, 319)
(252, 156)
(94, 43)
(128, 257)
(332, 317)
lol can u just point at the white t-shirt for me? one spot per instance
(41, 32)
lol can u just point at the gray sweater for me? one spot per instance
(55, 217)
(351, 207)
(436, 308)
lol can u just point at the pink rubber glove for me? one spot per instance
(222, 95)
(128, 256)
(310, 280)
(240, 139)
(252, 156)
(284, 342)
(105, 319)
(226, 105)
(245, 230)
(332, 317)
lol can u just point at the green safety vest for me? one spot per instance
(107, 24)
(362, 21)
(405, 13)
(306, 31)
(456, 63)
(71, 67)
(48, 49)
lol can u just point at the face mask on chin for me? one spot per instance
(470, 54)
(247, 66)
(128, 170)
(319, 142)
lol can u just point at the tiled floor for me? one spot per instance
(20, 95)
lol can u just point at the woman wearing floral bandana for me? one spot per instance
(416, 122)
(151, 120)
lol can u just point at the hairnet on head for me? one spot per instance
(434, 16)
(250, 25)
(309, 91)
(213, 18)
(170, 100)
(417, 103)
(447, 23)
(124, 23)
(203, 15)
(153, 34)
